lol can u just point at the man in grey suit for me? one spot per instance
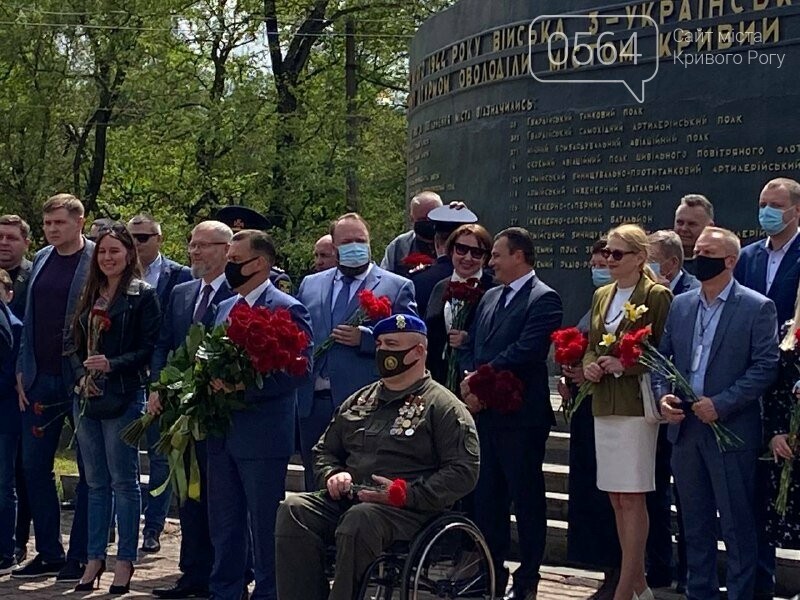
(331, 299)
(723, 339)
(418, 239)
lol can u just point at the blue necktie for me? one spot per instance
(339, 312)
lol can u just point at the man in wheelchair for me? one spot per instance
(396, 453)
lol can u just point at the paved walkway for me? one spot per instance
(160, 570)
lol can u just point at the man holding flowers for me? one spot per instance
(343, 303)
(247, 465)
(723, 339)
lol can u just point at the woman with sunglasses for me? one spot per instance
(468, 248)
(625, 443)
(114, 331)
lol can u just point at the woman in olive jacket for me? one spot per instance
(625, 443)
(115, 329)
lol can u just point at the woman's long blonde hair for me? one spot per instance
(636, 239)
(789, 341)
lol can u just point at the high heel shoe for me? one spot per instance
(94, 583)
(118, 590)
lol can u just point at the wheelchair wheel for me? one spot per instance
(449, 559)
(382, 580)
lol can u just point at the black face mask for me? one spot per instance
(390, 362)
(234, 276)
(707, 267)
(425, 229)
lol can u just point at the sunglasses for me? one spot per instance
(615, 254)
(462, 249)
(143, 238)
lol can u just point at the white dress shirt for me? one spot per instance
(215, 285)
(255, 294)
(517, 284)
(153, 271)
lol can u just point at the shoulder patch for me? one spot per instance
(284, 285)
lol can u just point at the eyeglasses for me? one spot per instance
(143, 238)
(204, 245)
(106, 229)
(462, 249)
(615, 254)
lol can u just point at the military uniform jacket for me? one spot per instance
(422, 434)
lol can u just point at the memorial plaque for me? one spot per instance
(569, 118)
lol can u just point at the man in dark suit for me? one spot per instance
(349, 364)
(163, 274)
(666, 259)
(723, 339)
(14, 243)
(247, 467)
(190, 303)
(418, 239)
(511, 331)
(771, 267)
(694, 213)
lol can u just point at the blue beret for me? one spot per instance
(400, 324)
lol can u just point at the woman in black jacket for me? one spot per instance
(468, 247)
(115, 329)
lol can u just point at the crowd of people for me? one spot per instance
(392, 399)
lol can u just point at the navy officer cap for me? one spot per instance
(447, 220)
(400, 324)
(241, 217)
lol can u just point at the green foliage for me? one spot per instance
(178, 108)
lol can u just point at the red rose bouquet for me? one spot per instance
(204, 380)
(569, 345)
(417, 259)
(463, 296)
(635, 348)
(497, 390)
(371, 308)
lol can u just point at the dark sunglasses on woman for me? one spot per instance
(462, 249)
(615, 254)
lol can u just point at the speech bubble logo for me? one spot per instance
(585, 45)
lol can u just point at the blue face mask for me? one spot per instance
(354, 254)
(601, 276)
(656, 267)
(771, 220)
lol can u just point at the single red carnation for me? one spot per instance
(38, 409)
(38, 432)
(398, 493)
(416, 259)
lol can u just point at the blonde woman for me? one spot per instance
(625, 442)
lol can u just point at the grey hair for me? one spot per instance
(225, 232)
(669, 244)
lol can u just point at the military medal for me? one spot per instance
(408, 417)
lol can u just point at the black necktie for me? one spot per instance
(501, 303)
(202, 308)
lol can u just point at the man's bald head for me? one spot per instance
(422, 204)
(324, 253)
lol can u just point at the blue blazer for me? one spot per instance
(265, 429)
(171, 274)
(751, 271)
(517, 340)
(350, 368)
(26, 363)
(178, 314)
(743, 362)
(10, 417)
(686, 283)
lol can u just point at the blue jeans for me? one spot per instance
(38, 455)
(112, 470)
(8, 494)
(156, 507)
